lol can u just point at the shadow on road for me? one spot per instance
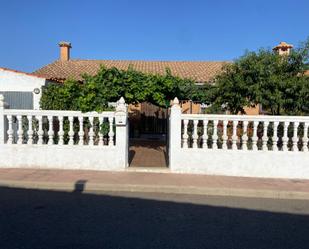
(49, 219)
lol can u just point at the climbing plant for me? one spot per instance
(109, 84)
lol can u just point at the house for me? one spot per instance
(21, 90)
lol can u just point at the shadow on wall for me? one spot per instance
(48, 219)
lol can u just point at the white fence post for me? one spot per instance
(175, 132)
(122, 135)
(2, 130)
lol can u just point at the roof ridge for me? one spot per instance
(123, 60)
(21, 72)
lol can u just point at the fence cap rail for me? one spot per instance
(55, 113)
(245, 117)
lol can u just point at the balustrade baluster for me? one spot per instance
(30, 130)
(71, 131)
(255, 137)
(81, 131)
(101, 136)
(275, 136)
(111, 131)
(61, 131)
(265, 137)
(195, 135)
(224, 136)
(185, 133)
(20, 131)
(40, 130)
(215, 136)
(245, 135)
(305, 138)
(91, 131)
(234, 135)
(50, 130)
(205, 134)
(295, 136)
(285, 136)
(10, 131)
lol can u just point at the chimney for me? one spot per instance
(283, 48)
(65, 50)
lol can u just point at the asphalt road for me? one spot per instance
(45, 219)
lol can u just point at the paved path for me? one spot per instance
(143, 153)
(90, 181)
(43, 219)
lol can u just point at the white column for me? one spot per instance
(50, 130)
(234, 135)
(224, 136)
(61, 132)
(10, 131)
(20, 131)
(305, 138)
(295, 137)
(275, 136)
(285, 137)
(215, 136)
(122, 135)
(111, 132)
(40, 130)
(101, 136)
(81, 131)
(30, 130)
(175, 132)
(265, 137)
(91, 131)
(255, 137)
(205, 134)
(71, 132)
(245, 135)
(195, 135)
(185, 133)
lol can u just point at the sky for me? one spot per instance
(192, 30)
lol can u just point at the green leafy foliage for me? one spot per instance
(264, 77)
(108, 85)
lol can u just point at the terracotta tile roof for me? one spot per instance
(20, 72)
(307, 72)
(198, 71)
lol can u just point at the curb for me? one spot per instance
(167, 189)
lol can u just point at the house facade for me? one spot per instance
(21, 90)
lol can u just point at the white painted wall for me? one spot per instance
(17, 153)
(61, 157)
(244, 162)
(21, 82)
(267, 164)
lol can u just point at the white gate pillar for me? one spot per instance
(174, 132)
(122, 135)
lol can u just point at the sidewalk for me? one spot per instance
(99, 181)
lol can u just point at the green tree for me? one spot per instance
(264, 77)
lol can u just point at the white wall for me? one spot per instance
(61, 157)
(263, 162)
(268, 164)
(21, 82)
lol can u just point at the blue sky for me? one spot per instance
(145, 30)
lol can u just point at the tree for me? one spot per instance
(109, 84)
(264, 77)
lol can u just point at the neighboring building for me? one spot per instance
(21, 90)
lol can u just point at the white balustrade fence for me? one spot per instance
(238, 145)
(63, 139)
